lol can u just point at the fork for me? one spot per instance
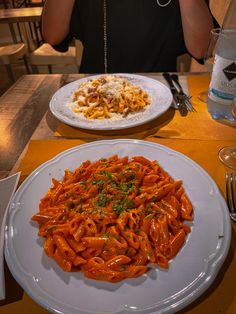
(230, 184)
(182, 95)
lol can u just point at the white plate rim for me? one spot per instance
(103, 125)
(179, 301)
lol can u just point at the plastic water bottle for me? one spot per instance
(222, 89)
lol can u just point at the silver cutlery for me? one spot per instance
(230, 184)
(182, 95)
(227, 155)
(178, 101)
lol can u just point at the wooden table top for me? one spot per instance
(25, 116)
(18, 15)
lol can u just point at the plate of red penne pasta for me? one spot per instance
(116, 220)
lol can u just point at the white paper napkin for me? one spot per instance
(7, 189)
(182, 80)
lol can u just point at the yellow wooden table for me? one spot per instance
(219, 298)
(197, 136)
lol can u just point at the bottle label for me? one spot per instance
(223, 81)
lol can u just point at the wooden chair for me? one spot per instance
(46, 55)
(24, 3)
(183, 63)
(34, 3)
(11, 54)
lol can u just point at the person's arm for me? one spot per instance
(56, 20)
(197, 23)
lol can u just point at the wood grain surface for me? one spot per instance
(25, 115)
(18, 15)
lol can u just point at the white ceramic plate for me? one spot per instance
(158, 291)
(161, 98)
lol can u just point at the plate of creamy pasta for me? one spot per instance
(110, 101)
(116, 220)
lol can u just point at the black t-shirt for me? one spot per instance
(141, 35)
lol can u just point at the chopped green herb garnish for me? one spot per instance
(150, 216)
(118, 208)
(107, 174)
(83, 183)
(125, 187)
(79, 209)
(102, 200)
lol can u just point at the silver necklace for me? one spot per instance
(105, 34)
(163, 5)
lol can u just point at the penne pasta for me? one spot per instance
(112, 217)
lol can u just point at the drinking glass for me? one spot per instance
(210, 57)
(227, 156)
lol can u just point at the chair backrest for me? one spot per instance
(183, 63)
(78, 51)
(25, 3)
(219, 8)
(29, 35)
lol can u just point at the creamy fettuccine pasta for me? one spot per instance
(107, 97)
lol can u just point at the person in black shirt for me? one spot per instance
(129, 35)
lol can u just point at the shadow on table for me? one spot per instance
(140, 132)
(14, 292)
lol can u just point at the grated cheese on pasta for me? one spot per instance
(108, 96)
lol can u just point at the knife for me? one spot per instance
(182, 94)
(178, 102)
(173, 89)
